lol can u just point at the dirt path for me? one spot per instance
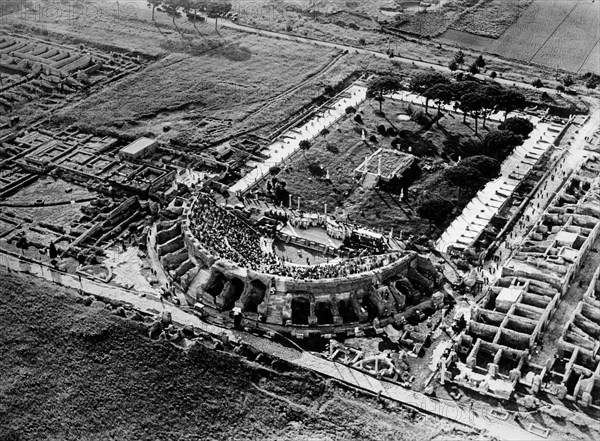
(286, 93)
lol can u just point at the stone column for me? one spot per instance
(335, 311)
(312, 318)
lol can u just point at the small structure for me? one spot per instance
(387, 166)
(138, 148)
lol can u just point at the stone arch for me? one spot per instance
(324, 313)
(215, 285)
(347, 311)
(300, 310)
(369, 304)
(256, 294)
(232, 293)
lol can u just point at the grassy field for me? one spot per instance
(343, 149)
(554, 33)
(252, 82)
(491, 18)
(72, 372)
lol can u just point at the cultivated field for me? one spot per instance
(554, 33)
(490, 18)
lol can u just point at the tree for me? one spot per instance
(52, 251)
(500, 143)
(509, 101)
(154, 4)
(461, 88)
(171, 8)
(521, 126)
(473, 69)
(480, 62)
(435, 209)
(488, 167)
(537, 83)
(493, 75)
(459, 57)
(304, 146)
(440, 94)
(490, 96)
(453, 65)
(590, 83)
(464, 176)
(422, 82)
(567, 80)
(383, 85)
(472, 104)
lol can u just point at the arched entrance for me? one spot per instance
(233, 294)
(347, 311)
(216, 284)
(367, 303)
(323, 313)
(255, 296)
(300, 311)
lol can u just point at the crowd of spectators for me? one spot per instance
(228, 237)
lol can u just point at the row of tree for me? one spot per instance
(473, 98)
(213, 8)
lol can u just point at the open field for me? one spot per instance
(557, 33)
(490, 18)
(82, 373)
(560, 34)
(252, 82)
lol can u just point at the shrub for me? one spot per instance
(521, 126)
(350, 110)
(591, 83)
(274, 170)
(488, 167)
(567, 80)
(435, 209)
(537, 83)
(362, 41)
(499, 144)
(464, 176)
(420, 117)
(459, 57)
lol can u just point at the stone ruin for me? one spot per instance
(498, 348)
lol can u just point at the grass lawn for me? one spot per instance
(343, 149)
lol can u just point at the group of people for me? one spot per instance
(226, 236)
